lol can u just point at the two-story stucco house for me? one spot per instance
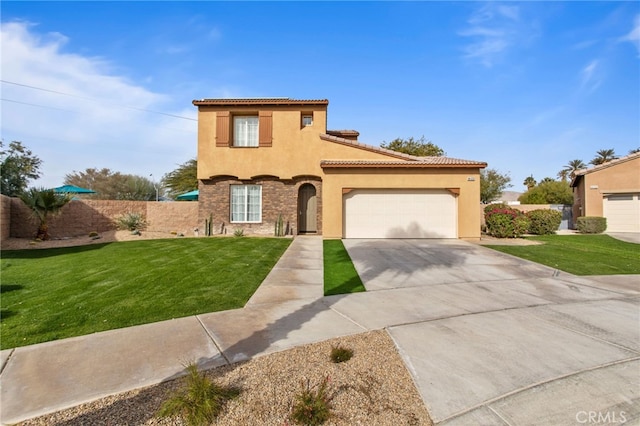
(610, 190)
(261, 159)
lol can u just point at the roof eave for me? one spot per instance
(400, 165)
(259, 102)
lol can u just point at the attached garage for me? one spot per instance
(622, 212)
(400, 213)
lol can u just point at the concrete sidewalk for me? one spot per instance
(488, 338)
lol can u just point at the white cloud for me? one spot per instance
(493, 30)
(511, 12)
(86, 116)
(590, 76)
(634, 35)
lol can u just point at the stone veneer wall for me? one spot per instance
(278, 197)
(80, 217)
(5, 217)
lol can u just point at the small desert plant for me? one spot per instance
(279, 227)
(238, 233)
(591, 224)
(200, 401)
(340, 354)
(131, 221)
(313, 404)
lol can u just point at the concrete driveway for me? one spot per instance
(492, 339)
(630, 237)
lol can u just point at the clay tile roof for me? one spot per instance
(259, 101)
(345, 132)
(578, 173)
(425, 162)
(607, 164)
(343, 141)
(408, 160)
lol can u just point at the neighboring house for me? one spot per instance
(610, 190)
(261, 159)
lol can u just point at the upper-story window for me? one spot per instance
(245, 130)
(307, 120)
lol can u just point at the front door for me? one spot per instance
(307, 209)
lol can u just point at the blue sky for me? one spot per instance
(526, 87)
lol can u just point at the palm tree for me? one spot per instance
(571, 168)
(634, 151)
(44, 202)
(530, 182)
(604, 156)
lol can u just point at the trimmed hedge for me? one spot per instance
(544, 221)
(591, 224)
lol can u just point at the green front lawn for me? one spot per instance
(581, 254)
(340, 275)
(51, 294)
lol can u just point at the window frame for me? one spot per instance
(252, 138)
(309, 117)
(246, 204)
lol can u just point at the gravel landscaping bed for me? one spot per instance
(372, 388)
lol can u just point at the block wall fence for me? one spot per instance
(80, 217)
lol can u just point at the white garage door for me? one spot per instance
(622, 212)
(400, 213)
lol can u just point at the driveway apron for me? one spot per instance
(493, 339)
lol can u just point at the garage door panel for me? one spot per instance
(398, 213)
(622, 212)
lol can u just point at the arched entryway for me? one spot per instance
(307, 209)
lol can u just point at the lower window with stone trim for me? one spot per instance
(246, 203)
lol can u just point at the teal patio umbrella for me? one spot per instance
(72, 189)
(188, 196)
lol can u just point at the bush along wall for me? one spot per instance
(591, 224)
(544, 221)
(505, 222)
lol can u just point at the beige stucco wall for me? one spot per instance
(294, 150)
(619, 177)
(335, 180)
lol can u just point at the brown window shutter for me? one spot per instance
(223, 121)
(265, 128)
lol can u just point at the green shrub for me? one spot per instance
(131, 221)
(490, 207)
(200, 401)
(340, 354)
(544, 221)
(238, 233)
(591, 224)
(505, 222)
(313, 404)
(521, 224)
(93, 234)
